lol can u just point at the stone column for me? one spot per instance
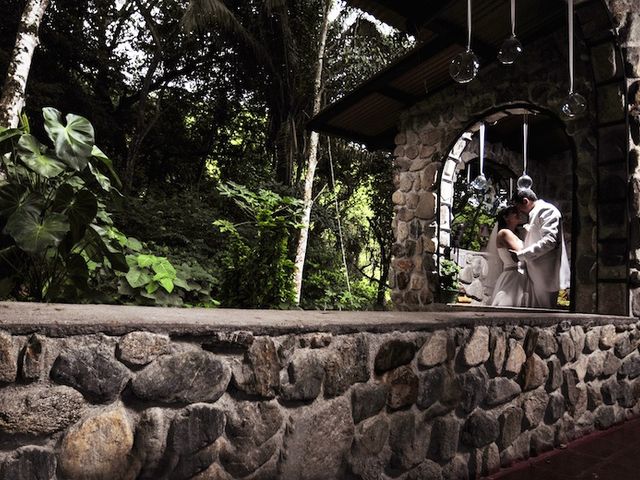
(626, 21)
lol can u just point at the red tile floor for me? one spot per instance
(610, 455)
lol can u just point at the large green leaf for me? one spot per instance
(14, 197)
(118, 261)
(102, 180)
(77, 270)
(31, 152)
(106, 161)
(137, 277)
(73, 141)
(94, 245)
(6, 134)
(97, 249)
(64, 196)
(82, 209)
(167, 284)
(152, 287)
(146, 260)
(34, 234)
(163, 269)
(134, 244)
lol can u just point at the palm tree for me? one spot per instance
(266, 35)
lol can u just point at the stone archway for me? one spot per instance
(429, 130)
(551, 163)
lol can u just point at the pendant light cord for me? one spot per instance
(513, 18)
(570, 19)
(482, 148)
(468, 24)
(525, 137)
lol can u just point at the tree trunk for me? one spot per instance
(15, 84)
(312, 160)
(143, 125)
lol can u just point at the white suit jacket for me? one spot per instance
(544, 250)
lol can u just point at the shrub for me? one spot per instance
(256, 268)
(52, 213)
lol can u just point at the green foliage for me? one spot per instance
(51, 211)
(149, 279)
(59, 242)
(473, 214)
(256, 268)
(449, 271)
(154, 280)
(327, 290)
(217, 109)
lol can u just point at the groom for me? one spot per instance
(544, 251)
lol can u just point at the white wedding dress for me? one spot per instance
(511, 286)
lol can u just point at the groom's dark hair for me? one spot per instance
(519, 196)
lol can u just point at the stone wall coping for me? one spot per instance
(58, 320)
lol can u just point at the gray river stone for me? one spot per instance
(250, 430)
(330, 427)
(39, 410)
(259, 374)
(346, 363)
(92, 370)
(367, 400)
(480, 429)
(501, 390)
(141, 348)
(151, 442)
(33, 357)
(99, 447)
(393, 354)
(193, 430)
(8, 358)
(306, 372)
(187, 377)
(29, 463)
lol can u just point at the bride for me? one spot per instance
(510, 285)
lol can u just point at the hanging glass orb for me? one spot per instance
(524, 182)
(510, 50)
(480, 183)
(574, 105)
(464, 67)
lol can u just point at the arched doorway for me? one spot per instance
(467, 215)
(430, 130)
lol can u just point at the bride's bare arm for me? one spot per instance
(507, 239)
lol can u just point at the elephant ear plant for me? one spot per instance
(53, 222)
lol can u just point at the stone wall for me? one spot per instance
(606, 204)
(429, 133)
(625, 19)
(131, 392)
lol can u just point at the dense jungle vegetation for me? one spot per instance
(179, 178)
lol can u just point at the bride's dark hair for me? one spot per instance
(502, 216)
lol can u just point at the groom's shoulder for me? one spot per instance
(547, 207)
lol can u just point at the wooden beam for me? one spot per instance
(342, 133)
